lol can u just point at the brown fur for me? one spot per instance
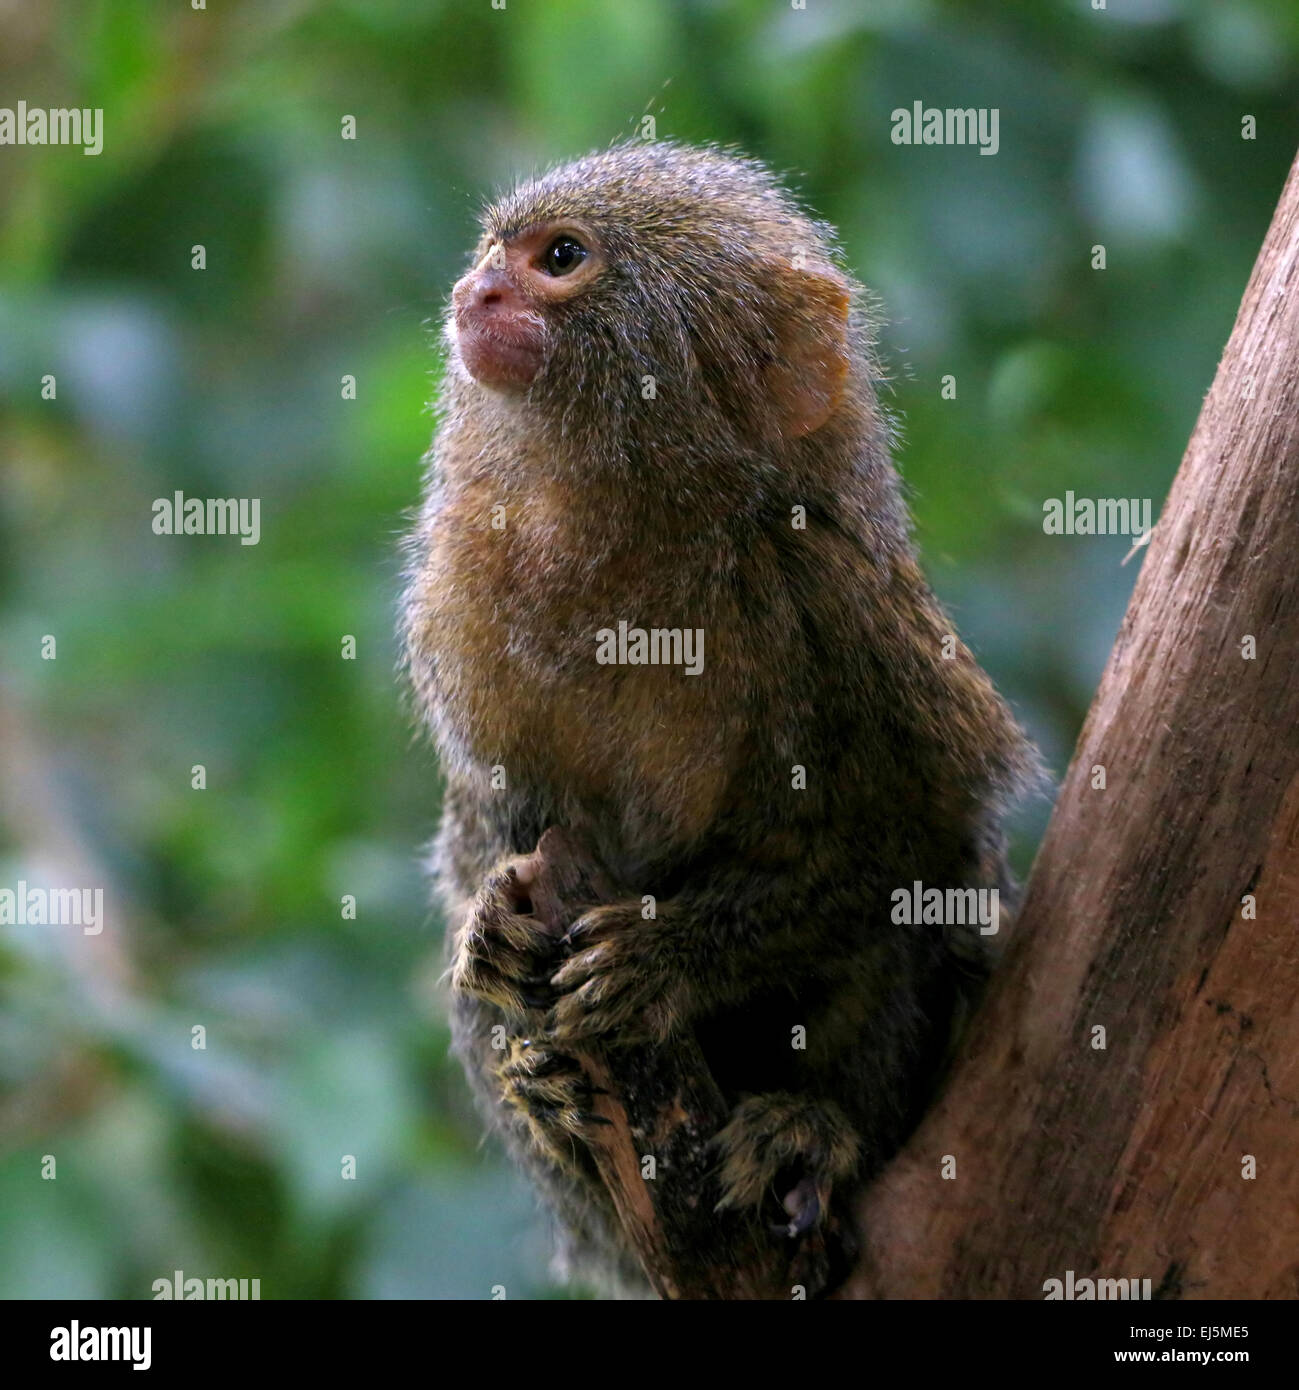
(823, 650)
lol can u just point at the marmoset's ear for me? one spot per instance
(806, 380)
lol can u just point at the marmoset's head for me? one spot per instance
(658, 273)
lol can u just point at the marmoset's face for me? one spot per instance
(501, 310)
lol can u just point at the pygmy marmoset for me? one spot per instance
(660, 411)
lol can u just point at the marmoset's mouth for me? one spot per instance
(496, 356)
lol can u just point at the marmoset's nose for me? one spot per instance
(483, 289)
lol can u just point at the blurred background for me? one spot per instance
(328, 257)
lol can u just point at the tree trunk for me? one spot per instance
(1162, 909)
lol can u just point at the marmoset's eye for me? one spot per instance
(563, 255)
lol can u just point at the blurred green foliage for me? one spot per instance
(328, 257)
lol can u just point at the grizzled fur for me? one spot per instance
(824, 651)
